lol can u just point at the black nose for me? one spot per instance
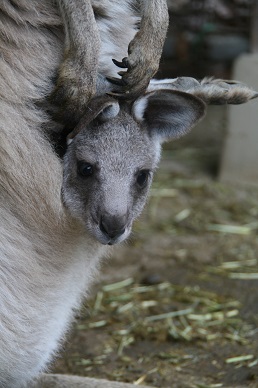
(113, 226)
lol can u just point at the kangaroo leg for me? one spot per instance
(65, 381)
(76, 82)
(144, 50)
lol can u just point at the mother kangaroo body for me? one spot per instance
(47, 259)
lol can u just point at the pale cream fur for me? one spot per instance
(47, 261)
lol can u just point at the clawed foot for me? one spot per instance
(144, 52)
(135, 80)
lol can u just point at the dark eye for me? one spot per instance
(85, 169)
(142, 178)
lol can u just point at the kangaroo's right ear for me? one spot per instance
(102, 108)
(168, 114)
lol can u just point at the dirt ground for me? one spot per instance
(176, 306)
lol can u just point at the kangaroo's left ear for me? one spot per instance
(168, 114)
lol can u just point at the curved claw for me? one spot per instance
(117, 81)
(123, 64)
(117, 94)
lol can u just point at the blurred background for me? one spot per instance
(216, 38)
(206, 36)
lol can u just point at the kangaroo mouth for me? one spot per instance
(120, 237)
(108, 237)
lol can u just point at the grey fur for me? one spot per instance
(119, 149)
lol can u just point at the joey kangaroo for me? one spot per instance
(114, 150)
(57, 221)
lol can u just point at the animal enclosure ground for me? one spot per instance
(176, 306)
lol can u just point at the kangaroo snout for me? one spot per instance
(113, 226)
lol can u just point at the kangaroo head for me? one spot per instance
(113, 153)
(114, 150)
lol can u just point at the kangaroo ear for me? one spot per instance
(101, 108)
(168, 114)
(109, 111)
